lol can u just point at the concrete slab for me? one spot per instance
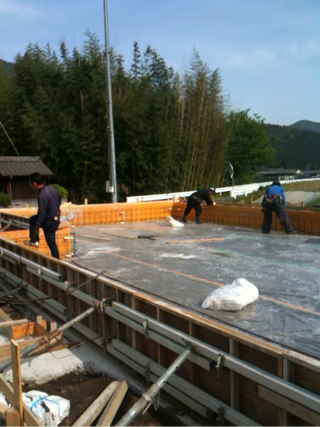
(184, 265)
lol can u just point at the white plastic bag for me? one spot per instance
(58, 406)
(68, 217)
(232, 297)
(33, 399)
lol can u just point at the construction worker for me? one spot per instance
(48, 216)
(274, 200)
(195, 200)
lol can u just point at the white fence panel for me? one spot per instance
(237, 190)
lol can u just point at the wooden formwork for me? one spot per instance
(242, 378)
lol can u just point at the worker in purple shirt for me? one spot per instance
(48, 216)
(274, 200)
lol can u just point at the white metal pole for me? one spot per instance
(112, 156)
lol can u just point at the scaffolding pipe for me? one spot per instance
(53, 334)
(147, 398)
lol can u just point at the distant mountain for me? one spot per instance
(306, 125)
(295, 147)
(8, 66)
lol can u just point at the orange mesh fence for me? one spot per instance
(63, 239)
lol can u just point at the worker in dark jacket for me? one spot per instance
(195, 200)
(48, 217)
(274, 200)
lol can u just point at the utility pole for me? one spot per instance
(112, 157)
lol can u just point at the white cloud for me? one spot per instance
(309, 49)
(14, 7)
(242, 59)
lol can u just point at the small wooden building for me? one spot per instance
(14, 176)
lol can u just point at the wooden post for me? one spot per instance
(53, 326)
(17, 385)
(85, 201)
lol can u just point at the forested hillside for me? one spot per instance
(7, 66)
(306, 125)
(172, 132)
(295, 148)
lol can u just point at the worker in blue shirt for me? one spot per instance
(48, 217)
(274, 200)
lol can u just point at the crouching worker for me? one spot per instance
(274, 200)
(48, 216)
(195, 200)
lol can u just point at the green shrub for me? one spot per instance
(5, 200)
(62, 191)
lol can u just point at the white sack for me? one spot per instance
(232, 297)
(58, 406)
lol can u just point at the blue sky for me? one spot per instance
(267, 51)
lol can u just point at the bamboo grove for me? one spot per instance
(172, 132)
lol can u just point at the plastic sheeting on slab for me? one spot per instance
(284, 268)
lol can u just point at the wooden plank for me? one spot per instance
(13, 417)
(130, 234)
(94, 237)
(29, 418)
(114, 403)
(208, 239)
(3, 410)
(13, 323)
(5, 318)
(288, 405)
(31, 328)
(52, 345)
(92, 412)
(16, 380)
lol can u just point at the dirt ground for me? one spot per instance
(81, 390)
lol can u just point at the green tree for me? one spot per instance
(204, 134)
(249, 146)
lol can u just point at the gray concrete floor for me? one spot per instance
(184, 265)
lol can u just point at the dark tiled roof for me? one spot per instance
(23, 166)
(279, 172)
